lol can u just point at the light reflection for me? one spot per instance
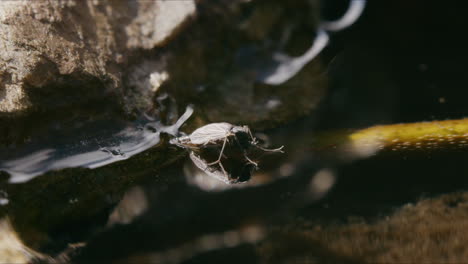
(128, 141)
(322, 182)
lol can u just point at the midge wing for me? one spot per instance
(210, 132)
(201, 164)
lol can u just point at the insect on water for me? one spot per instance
(231, 163)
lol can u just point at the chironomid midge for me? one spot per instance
(212, 135)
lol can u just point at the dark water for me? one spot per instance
(401, 62)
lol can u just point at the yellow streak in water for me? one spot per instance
(421, 135)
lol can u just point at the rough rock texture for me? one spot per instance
(44, 42)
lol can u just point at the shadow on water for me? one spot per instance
(180, 213)
(377, 186)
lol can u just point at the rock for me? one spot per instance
(46, 44)
(156, 22)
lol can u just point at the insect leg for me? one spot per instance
(255, 143)
(249, 160)
(254, 140)
(224, 171)
(280, 149)
(220, 154)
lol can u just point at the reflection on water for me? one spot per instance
(111, 141)
(283, 67)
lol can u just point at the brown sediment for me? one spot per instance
(430, 231)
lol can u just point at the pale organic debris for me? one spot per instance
(157, 79)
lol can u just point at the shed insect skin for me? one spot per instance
(213, 134)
